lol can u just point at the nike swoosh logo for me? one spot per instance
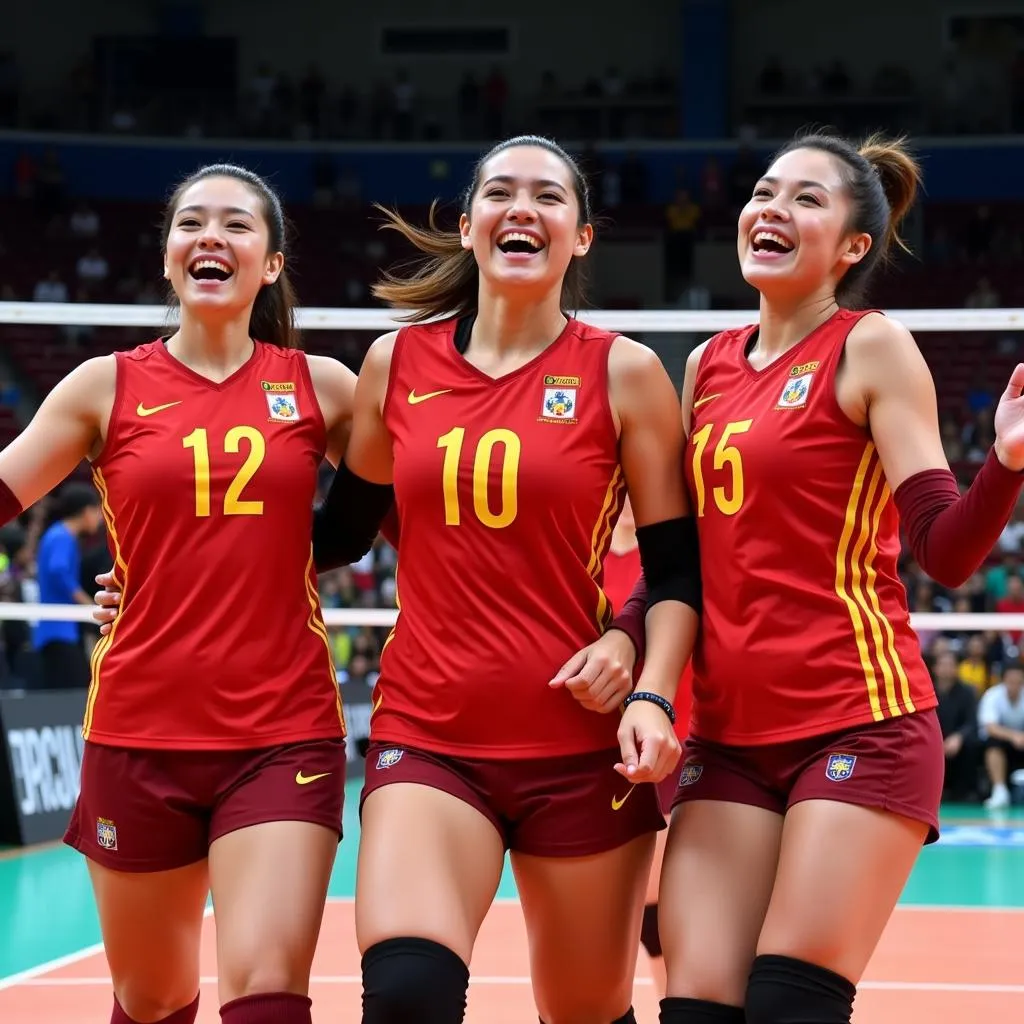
(705, 400)
(305, 780)
(143, 411)
(616, 804)
(415, 399)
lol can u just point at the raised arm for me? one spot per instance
(950, 534)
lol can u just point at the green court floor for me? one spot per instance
(47, 912)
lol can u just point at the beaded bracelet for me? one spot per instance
(654, 698)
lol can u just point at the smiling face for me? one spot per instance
(217, 252)
(794, 238)
(523, 225)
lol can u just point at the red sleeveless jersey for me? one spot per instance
(620, 575)
(507, 491)
(805, 628)
(207, 491)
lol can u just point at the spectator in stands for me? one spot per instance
(1001, 720)
(50, 289)
(958, 718)
(58, 567)
(92, 268)
(85, 221)
(975, 667)
(1012, 604)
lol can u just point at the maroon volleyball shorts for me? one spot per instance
(153, 810)
(567, 806)
(896, 765)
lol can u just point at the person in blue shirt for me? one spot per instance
(63, 663)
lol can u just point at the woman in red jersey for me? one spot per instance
(813, 771)
(214, 755)
(511, 432)
(621, 568)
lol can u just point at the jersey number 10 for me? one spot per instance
(511, 448)
(234, 505)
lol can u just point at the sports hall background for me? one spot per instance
(672, 106)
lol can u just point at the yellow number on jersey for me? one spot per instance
(233, 504)
(511, 450)
(729, 499)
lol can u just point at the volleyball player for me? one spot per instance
(510, 432)
(214, 754)
(813, 772)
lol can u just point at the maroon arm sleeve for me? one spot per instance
(632, 615)
(952, 534)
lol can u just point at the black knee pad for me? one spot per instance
(413, 980)
(782, 990)
(627, 1018)
(678, 1010)
(650, 938)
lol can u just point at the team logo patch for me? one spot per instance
(561, 399)
(106, 834)
(690, 774)
(840, 767)
(281, 401)
(795, 393)
(389, 758)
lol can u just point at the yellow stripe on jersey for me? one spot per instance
(601, 539)
(890, 638)
(121, 578)
(316, 625)
(857, 590)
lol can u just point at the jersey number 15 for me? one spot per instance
(728, 500)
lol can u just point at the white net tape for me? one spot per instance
(629, 321)
(670, 321)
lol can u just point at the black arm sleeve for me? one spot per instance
(670, 556)
(347, 523)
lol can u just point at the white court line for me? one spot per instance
(513, 979)
(29, 976)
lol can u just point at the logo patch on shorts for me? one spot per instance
(106, 834)
(840, 767)
(690, 774)
(389, 758)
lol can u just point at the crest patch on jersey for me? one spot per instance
(106, 834)
(389, 758)
(795, 393)
(281, 401)
(561, 397)
(840, 767)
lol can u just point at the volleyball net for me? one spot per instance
(40, 341)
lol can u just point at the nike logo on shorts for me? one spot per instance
(305, 780)
(616, 803)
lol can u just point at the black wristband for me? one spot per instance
(654, 698)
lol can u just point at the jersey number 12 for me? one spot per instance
(234, 504)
